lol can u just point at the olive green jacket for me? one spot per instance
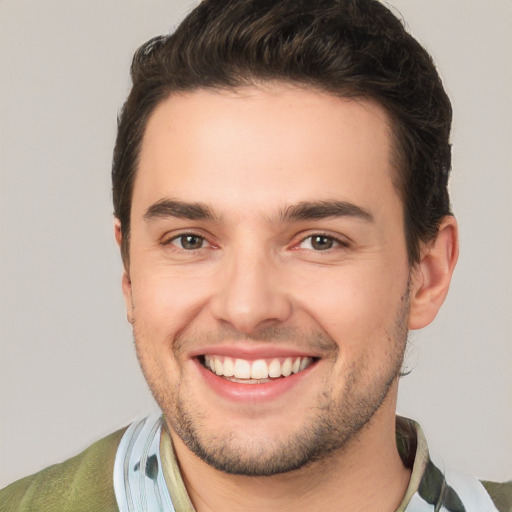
(85, 483)
(80, 484)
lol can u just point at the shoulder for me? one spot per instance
(500, 493)
(444, 487)
(82, 483)
(462, 492)
(476, 495)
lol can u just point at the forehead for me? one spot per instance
(266, 142)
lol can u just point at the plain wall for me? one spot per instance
(68, 374)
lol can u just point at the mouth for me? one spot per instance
(257, 371)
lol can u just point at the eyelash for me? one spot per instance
(337, 242)
(170, 241)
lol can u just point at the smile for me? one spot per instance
(255, 371)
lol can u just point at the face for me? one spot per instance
(268, 277)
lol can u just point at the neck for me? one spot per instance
(366, 475)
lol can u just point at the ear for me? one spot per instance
(126, 281)
(431, 277)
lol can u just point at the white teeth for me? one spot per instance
(274, 369)
(286, 369)
(260, 369)
(242, 369)
(219, 370)
(229, 367)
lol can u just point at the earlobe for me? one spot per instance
(431, 277)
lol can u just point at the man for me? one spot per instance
(281, 207)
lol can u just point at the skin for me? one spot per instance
(256, 280)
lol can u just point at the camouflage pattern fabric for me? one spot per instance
(135, 470)
(432, 489)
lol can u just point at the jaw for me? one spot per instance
(262, 437)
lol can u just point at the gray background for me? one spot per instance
(68, 374)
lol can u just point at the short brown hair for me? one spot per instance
(348, 48)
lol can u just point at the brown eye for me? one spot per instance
(321, 243)
(189, 242)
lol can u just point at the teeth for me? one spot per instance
(286, 369)
(228, 367)
(274, 369)
(242, 369)
(259, 369)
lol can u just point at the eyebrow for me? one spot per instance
(181, 209)
(317, 210)
(304, 210)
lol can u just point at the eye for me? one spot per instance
(189, 242)
(320, 242)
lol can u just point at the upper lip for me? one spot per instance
(262, 351)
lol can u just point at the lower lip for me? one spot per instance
(252, 392)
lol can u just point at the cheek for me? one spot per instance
(355, 308)
(164, 305)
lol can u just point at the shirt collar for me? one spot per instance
(428, 489)
(411, 444)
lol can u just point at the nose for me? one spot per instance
(250, 293)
